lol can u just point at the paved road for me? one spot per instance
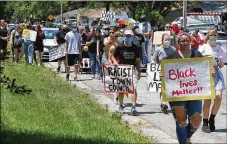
(151, 121)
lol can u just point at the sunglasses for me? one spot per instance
(111, 32)
(168, 27)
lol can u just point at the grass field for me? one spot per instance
(56, 112)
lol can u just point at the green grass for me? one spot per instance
(56, 112)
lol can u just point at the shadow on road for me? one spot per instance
(221, 130)
(130, 105)
(154, 112)
(11, 137)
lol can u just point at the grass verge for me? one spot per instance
(55, 112)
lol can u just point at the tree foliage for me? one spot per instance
(39, 10)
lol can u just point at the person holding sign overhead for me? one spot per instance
(128, 54)
(160, 53)
(190, 109)
(214, 50)
(73, 51)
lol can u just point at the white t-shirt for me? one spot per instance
(74, 42)
(217, 51)
(144, 28)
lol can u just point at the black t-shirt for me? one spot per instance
(3, 33)
(176, 54)
(138, 40)
(126, 55)
(84, 38)
(93, 46)
(61, 37)
(85, 54)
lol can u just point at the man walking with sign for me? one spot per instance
(128, 54)
(60, 38)
(73, 48)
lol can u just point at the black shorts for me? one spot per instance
(73, 59)
(62, 58)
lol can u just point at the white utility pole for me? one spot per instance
(185, 14)
(61, 13)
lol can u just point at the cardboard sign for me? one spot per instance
(153, 77)
(118, 78)
(187, 79)
(157, 39)
(56, 52)
(33, 35)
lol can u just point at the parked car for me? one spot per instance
(11, 27)
(49, 41)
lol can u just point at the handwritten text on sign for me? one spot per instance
(153, 77)
(118, 79)
(187, 79)
(56, 52)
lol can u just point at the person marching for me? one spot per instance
(145, 28)
(160, 53)
(139, 41)
(60, 39)
(16, 39)
(95, 52)
(39, 47)
(73, 51)
(190, 109)
(216, 51)
(128, 54)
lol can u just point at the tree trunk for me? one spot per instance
(108, 5)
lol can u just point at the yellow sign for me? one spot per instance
(187, 79)
(50, 17)
(25, 33)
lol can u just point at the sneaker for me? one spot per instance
(206, 129)
(116, 100)
(211, 125)
(121, 109)
(58, 69)
(75, 79)
(93, 76)
(67, 77)
(134, 111)
(164, 108)
(188, 141)
(99, 77)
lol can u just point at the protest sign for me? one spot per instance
(157, 39)
(153, 77)
(26, 34)
(33, 35)
(56, 52)
(118, 78)
(187, 79)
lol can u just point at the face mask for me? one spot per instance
(166, 43)
(128, 40)
(212, 39)
(74, 30)
(120, 39)
(137, 31)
